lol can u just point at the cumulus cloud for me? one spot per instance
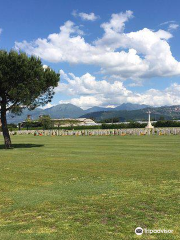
(88, 85)
(117, 22)
(86, 91)
(85, 16)
(134, 55)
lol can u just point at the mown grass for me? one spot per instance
(89, 188)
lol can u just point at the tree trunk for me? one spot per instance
(7, 139)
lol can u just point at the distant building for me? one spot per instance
(87, 121)
(67, 122)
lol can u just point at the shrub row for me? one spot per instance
(13, 127)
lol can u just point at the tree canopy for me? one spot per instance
(24, 83)
(45, 121)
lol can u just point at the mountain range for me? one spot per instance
(69, 111)
(164, 112)
(124, 112)
(124, 106)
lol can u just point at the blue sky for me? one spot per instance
(115, 51)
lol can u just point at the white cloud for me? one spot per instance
(117, 22)
(85, 16)
(167, 22)
(136, 55)
(75, 13)
(88, 17)
(87, 92)
(84, 102)
(173, 26)
(88, 85)
(49, 105)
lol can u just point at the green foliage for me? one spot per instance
(12, 125)
(24, 82)
(111, 120)
(167, 124)
(124, 125)
(45, 121)
(161, 118)
(30, 125)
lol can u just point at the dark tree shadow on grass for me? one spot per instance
(22, 145)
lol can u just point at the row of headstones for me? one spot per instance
(102, 132)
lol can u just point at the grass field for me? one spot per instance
(89, 188)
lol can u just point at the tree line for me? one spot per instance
(45, 123)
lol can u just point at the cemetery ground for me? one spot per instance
(89, 187)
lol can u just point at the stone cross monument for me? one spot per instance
(149, 125)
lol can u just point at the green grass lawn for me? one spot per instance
(89, 188)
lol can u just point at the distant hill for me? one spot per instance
(124, 112)
(67, 111)
(64, 111)
(98, 109)
(168, 112)
(124, 106)
(59, 111)
(131, 106)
